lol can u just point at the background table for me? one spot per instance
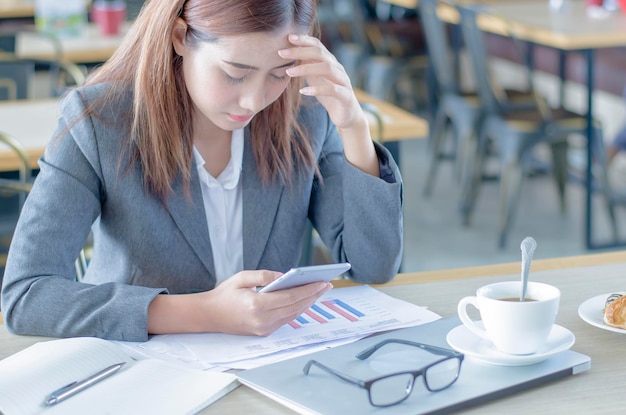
(90, 47)
(398, 124)
(598, 390)
(11, 9)
(32, 123)
(570, 30)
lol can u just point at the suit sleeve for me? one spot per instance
(40, 295)
(359, 216)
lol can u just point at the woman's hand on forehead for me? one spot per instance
(325, 78)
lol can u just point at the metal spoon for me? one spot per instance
(528, 246)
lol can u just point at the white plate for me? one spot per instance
(463, 340)
(591, 312)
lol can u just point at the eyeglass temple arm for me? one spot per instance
(432, 349)
(333, 372)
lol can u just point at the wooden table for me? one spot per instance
(533, 21)
(90, 47)
(398, 124)
(596, 391)
(32, 122)
(412, 4)
(13, 9)
(569, 31)
(391, 124)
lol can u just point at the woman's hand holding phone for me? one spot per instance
(306, 275)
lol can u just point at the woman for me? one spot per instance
(196, 154)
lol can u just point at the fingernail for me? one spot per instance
(306, 91)
(292, 71)
(294, 37)
(284, 52)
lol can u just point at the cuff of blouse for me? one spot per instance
(386, 172)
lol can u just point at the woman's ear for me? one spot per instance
(178, 36)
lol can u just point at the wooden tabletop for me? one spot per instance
(408, 4)
(411, 4)
(32, 123)
(398, 124)
(90, 47)
(598, 390)
(533, 21)
(10, 9)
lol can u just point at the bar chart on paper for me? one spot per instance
(342, 314)
(326, 311)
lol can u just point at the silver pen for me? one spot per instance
(73, 388)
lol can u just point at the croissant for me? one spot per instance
(615, 310)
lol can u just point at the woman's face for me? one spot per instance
(231, 80)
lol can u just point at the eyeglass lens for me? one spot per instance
(390, 390)
(395, 388)
(442, 375)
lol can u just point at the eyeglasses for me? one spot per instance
(394, 388)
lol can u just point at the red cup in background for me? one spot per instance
(109, 16)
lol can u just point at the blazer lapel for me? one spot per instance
(260, 204)
(190, 217)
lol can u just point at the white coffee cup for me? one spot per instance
(512, 326)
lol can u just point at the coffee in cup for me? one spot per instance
(513, 326)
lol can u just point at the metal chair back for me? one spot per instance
(437, 43)
(15, 78)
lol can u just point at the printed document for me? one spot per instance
(342, 315)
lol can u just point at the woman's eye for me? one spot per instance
(234, 80)
(278, 78)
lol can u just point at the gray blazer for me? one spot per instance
(143, 247)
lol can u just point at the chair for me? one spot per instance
(395, 71)
(10, 187)
(7, 42)
(133, 7)
(452, 106)
(375, 59)
(346, 30)
(22, 184)
(15, 78)
(60, 74)
(514, 131)
(601, 183)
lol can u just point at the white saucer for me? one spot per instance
(463, 340)
(591, 312)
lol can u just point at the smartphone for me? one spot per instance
(305, 275)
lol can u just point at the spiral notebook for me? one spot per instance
(478, 382)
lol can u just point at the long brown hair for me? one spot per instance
(161, 131)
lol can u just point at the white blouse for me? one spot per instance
(222, 197)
